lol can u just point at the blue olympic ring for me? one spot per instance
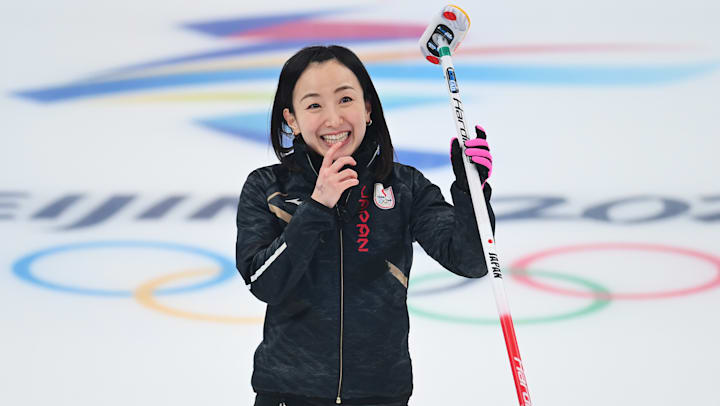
(21, 268)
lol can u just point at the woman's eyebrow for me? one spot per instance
(344, 87)
(309, 95)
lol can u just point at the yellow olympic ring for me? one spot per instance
(145, 295)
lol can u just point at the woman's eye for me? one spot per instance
(346, 99)
(312, 106)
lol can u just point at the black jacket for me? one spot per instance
(335, 280)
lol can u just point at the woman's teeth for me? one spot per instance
(335, 138)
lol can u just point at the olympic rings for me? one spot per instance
(145, 295)
(597, 304)
(22, 267)
(147, 292)
(523, 263)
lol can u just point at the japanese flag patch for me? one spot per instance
(384, 197)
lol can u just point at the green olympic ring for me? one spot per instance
(600, 301)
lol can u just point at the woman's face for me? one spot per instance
(329, 108)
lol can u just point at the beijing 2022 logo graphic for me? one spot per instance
(269, 35)
(256, 59)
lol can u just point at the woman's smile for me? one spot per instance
(331, 139)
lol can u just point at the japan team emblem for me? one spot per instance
(384, 197)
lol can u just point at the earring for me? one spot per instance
(369, 123)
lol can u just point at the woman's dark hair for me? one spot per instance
(291, 71)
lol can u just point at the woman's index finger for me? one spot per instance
(328, 158)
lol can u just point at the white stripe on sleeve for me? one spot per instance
(268, 262)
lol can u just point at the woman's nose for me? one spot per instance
(333, 118)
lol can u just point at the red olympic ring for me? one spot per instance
(520, 267)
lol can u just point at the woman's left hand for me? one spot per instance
(479, 152)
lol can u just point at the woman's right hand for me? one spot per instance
(331, 181)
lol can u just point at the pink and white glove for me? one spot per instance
(478, 150)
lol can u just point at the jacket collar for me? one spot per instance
(366, 157)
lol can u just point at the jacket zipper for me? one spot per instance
(338, 400)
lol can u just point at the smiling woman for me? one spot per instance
(331, 116)
(325, 239)
(325, 92)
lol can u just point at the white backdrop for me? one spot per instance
(128, 129)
